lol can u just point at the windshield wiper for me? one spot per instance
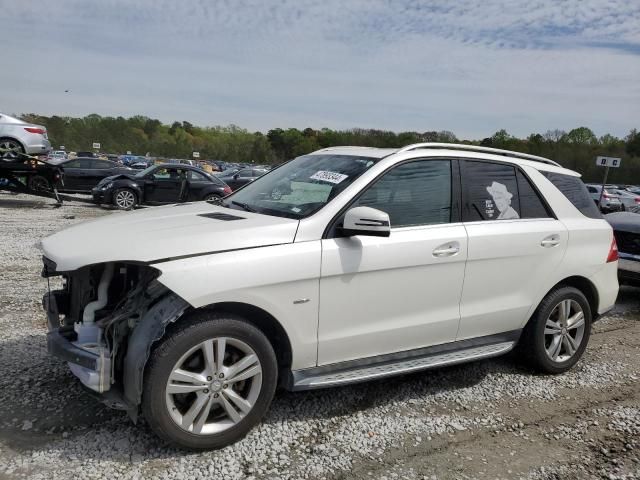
(244, 206)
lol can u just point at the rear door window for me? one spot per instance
(494, 191)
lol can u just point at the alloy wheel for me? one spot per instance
(564, 330)
(10, 150)
(125, 199)
(213, 386)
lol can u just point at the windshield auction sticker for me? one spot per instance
(331, 177)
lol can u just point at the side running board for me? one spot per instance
(353, 372)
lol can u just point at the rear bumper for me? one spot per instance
(38, 148)
(606, 283)
(629, 269)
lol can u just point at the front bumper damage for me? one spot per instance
(134, 313)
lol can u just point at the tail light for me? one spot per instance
(613, 251)
(227, 190)
(637, 199)
(606, 195)
(40, 131)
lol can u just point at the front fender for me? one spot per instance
(149, 330)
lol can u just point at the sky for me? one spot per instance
(471, 67)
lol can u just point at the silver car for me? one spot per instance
(18, 138)
(627, 199)
(610, 202)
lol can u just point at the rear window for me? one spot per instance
(576, 192)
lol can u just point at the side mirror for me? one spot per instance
(235, 176)
(366, 221)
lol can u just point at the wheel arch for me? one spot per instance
(265, 322)
(171, 310)
(587, 288)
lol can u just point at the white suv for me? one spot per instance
(345, 265)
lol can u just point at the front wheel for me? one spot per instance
(557, 335)
(125, 199)
(209, 382)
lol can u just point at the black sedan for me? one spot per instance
(159, 184)
(626, 229)
(82, 174)
(242, 177)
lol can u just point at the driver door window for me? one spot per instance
(415, 193)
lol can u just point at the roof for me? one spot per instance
(461, 151)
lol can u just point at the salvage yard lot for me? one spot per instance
(490, 419)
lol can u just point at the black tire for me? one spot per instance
(201, 327)
(11, 151)
(213, 198)
(532, 347)
(122, 205)
(39, 184)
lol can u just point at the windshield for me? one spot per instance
(302, 186)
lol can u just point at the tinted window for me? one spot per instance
(72, 164)
(576, 192)
(244, 173)
(169, 174)
(490, 191)
(531, 205)
(592, 190)
(415, 193)
(196, 177)
(101, 164)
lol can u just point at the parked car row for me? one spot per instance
(615, 198)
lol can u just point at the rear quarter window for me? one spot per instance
(576, 192)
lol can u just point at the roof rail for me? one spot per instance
(474, 148)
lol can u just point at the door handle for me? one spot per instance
(447, 250)
(550, 241)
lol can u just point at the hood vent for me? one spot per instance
(225, 217)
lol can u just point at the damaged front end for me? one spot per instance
(104, 321)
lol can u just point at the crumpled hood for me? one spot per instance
(164, 232)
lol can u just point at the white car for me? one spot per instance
(18, 138)
(345, 265)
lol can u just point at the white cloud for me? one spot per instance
(470, 67)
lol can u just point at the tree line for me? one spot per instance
(575, 149)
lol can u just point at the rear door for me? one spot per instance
(515, 243)
(76, 173)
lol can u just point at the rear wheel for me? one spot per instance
(125, 199)
(213, 198)
(557, 335)
(209, 382)
(11, 151)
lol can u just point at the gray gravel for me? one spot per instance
(490, 419)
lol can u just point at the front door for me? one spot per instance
(166, 185)
(385, 295)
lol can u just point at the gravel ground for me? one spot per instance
(488, 419)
